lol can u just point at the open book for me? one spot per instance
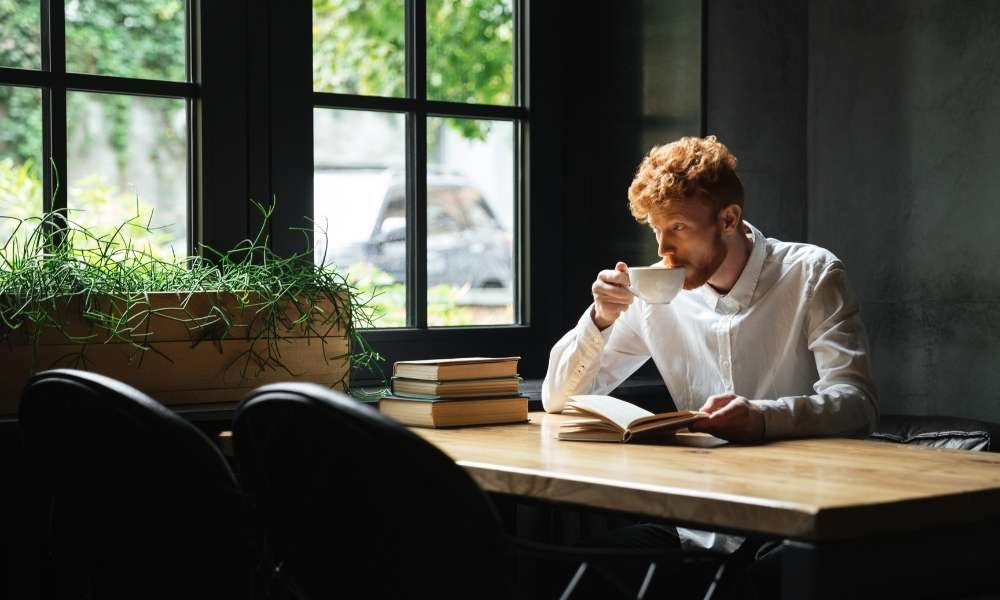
(608, 419)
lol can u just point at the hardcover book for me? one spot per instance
(457, 387)
(457, 368)
(450, 412)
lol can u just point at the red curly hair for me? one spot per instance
(689, 169)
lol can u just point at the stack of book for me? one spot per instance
(456, 391)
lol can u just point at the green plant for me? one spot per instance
(54, 271)
(96, 206)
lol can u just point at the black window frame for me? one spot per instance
(417, 108)
(55, 82)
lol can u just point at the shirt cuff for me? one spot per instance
(587, 333)
(777, 418)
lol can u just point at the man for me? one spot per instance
(765, 336)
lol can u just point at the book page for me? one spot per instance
(669, 416)
(591, 435)
(683, 419)
(617, 411)
(588, 424)
(458, 361)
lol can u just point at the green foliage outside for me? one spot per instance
(143, 39)
(358, 48)
(139, 38)
(388, 302)
(104, 209)
(21, 44)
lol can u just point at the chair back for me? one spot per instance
(142, 504)
(352, 500)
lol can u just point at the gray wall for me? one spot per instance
(756, 104)
(871, 127)
(904, 185)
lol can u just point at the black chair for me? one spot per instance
(141, 503)
(351, 500)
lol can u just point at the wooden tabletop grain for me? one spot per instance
(810, 489)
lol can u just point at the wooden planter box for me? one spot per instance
(188, 363)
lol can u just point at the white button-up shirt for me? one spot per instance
(788, 337)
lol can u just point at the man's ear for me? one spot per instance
(730, 218)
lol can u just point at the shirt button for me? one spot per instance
(725, 364)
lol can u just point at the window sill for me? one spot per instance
(441, 333)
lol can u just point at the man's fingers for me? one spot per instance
(717, 401)
(611, 295)
(611, 288)
(602, 298)
(614, 277)
(736, 419)
(603, 291)
(719, 423)
(728, 412)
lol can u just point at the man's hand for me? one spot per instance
(611, 297)
(733, 418)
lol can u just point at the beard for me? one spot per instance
(699, 272)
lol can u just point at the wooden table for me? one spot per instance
(838, 502)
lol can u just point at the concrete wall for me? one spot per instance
(904, 186)
(756, 105)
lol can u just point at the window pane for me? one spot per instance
(470, 51)
(359, 202)
(21, 42)
(470, 220)
(359, 47)
(20, 164)
(144, 39)
(127, 159)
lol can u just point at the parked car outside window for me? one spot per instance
(366, 223)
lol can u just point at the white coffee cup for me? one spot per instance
(655, 285)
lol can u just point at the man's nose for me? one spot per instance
(666, 248)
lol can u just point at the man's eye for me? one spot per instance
(678, 226)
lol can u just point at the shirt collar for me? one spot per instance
(742, 292)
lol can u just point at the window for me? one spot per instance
(400, 126)
(96, 104)
(418, 129)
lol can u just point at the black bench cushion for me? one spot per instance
(939, 432)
